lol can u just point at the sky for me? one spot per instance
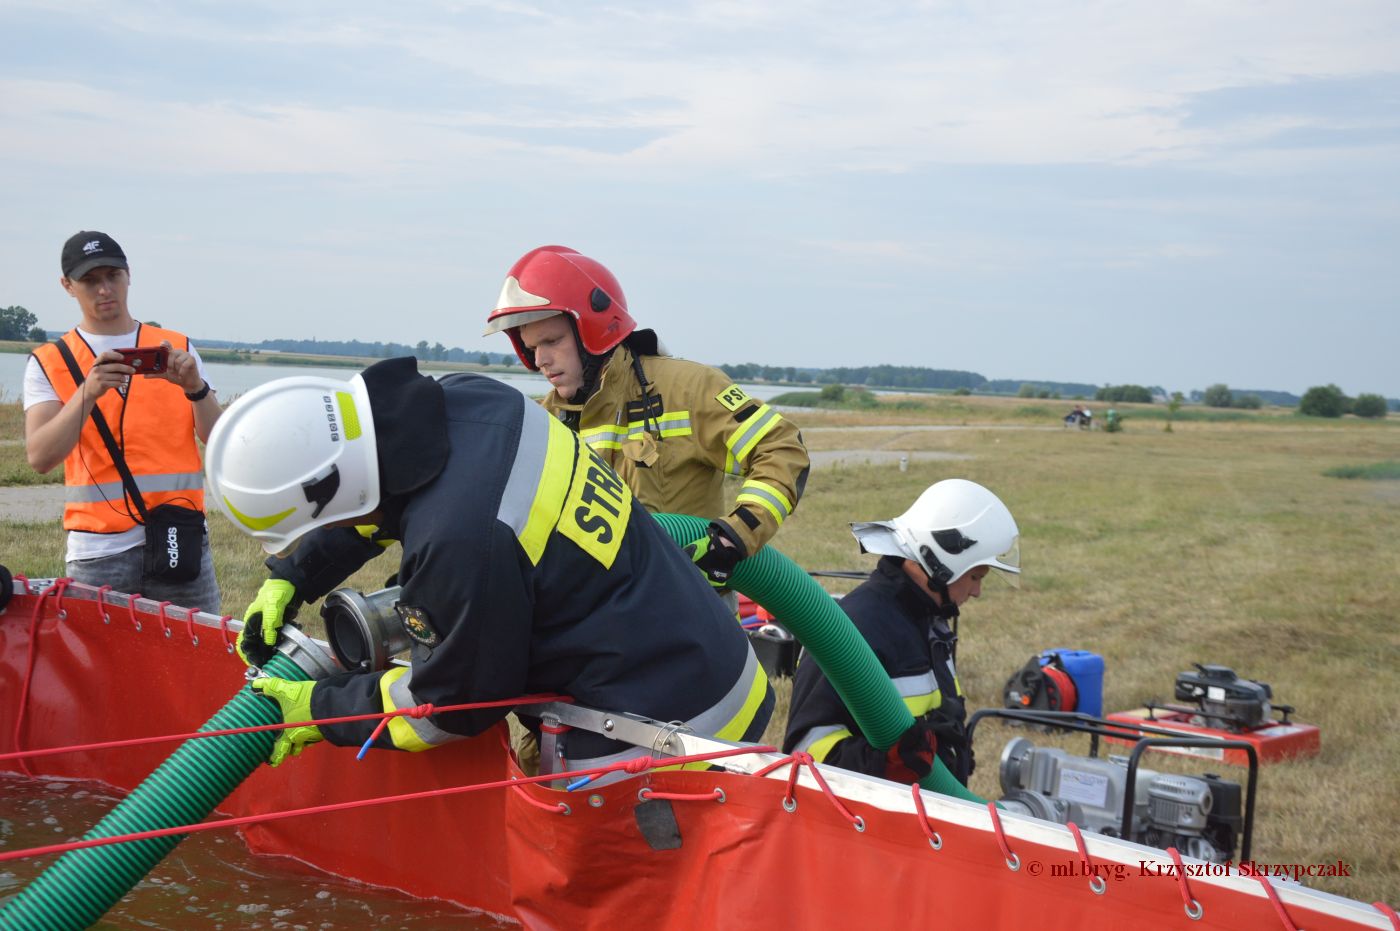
(1167, 194)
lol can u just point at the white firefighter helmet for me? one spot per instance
(954, 526)
(293, 455)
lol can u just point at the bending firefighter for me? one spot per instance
(526, 567)
(934, 557)
(670, 428)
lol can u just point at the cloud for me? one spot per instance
(658, 92)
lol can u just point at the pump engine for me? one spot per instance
(1225, 700)
(1200, 816)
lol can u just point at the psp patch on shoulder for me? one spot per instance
(732, 398)
(417, 624)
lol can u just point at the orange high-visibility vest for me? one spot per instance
(153, 425)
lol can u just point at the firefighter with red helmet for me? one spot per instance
(670, 428)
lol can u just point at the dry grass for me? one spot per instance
(1218, 542)
(1215, 543)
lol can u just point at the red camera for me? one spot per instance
(147, 360)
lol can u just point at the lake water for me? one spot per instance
(232, 380)
(210, 881)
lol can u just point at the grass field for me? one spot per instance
(1222, 542)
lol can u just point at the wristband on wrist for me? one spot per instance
(198, 395)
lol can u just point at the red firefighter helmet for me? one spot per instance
(557, 280)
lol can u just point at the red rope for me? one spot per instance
(131, 610)
(715, 795)
(58, 586)
(160, 615)
(1012, 861)
(1193, 907)
(229, 637)
(1278, 906)
(934, 838)
(799, 759)
(102, 603)
(1388, 912)
(1096, 883)
(632, 766)
(558, 808)
(418, 711)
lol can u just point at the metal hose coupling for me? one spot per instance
(365, 631)
(309, 655)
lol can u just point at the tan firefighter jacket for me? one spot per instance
(698, 427)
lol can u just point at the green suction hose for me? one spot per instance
(83, 884)
(776, 582)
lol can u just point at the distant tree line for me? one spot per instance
(900, 376)
(1331, 401)
(1222, 395)
(435, 352)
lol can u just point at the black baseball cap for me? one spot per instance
(88, 249)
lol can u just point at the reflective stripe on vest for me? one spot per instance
(743, 440)
(156, 430)
(408, 733)
(726, 719)
(112, 491)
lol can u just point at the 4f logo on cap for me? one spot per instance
(90, 247)
(417, 625)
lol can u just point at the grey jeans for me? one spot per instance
(122, 571)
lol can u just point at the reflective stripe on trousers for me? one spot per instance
(727, 719)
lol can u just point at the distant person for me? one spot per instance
(526, 566)
(1074, 416)
(153, 421)
(934, 558)
(670, 428)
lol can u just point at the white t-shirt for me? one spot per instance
(37, 390)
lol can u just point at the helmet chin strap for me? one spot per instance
(592, 369)
(946, 608)
(938, 580)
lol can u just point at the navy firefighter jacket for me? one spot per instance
(527, 567)
(914, 646)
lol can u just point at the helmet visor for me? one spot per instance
(1009, 563)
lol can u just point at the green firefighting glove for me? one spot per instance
(275, 604)
(295, 701)
(717, 553)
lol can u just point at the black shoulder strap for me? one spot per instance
(128, 481)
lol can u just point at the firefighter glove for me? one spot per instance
(717, 553)
(911, 759)
(294, 698)
(275, 603)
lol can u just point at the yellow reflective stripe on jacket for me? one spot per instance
(539, 480)
(766, 496)
(742, 441)
(726, 719)
(819, 740)
(747, 694)
(406, 733)
(674, 423)
(609, 437)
